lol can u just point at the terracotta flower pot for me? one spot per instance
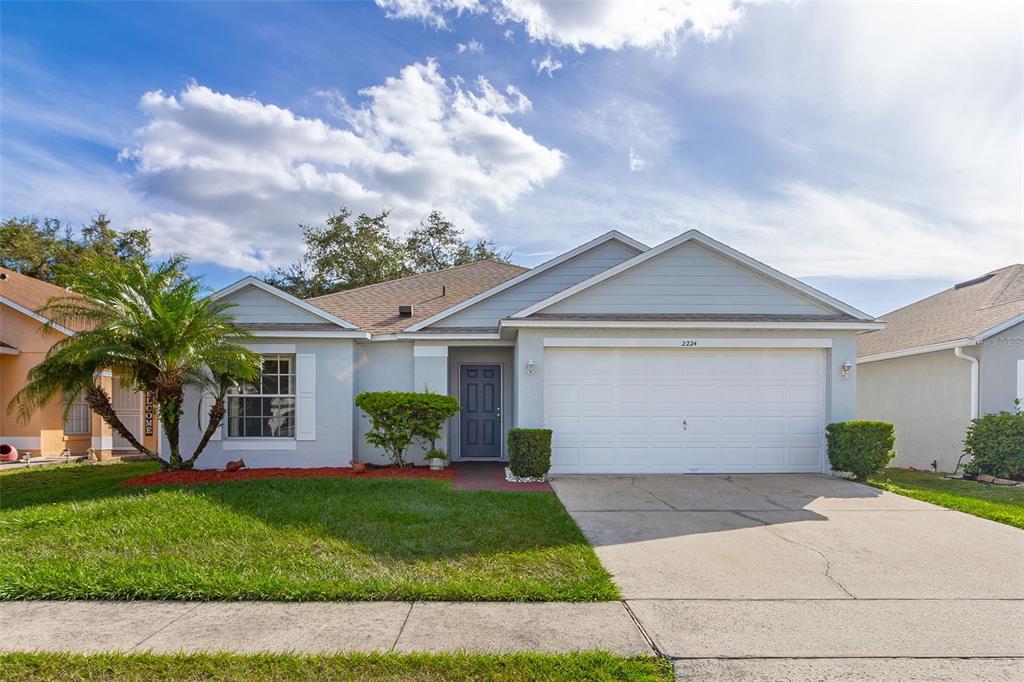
(358, 467)
(8, 453)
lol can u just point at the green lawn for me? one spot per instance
(372, 667)
(77, 533)
(1004, 504)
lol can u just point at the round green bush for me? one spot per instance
(996, 444)
(862, 448)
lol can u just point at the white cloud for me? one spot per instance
(548, 64)
(237, 174)
(579, 25)
(429, 11)
(636, 162)
(472, 46)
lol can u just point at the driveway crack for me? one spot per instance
(828, 562)
(163, 627)
(632, 481)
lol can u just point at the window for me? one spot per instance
(266, 408)
(78, 420)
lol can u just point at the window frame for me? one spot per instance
(78, 402)
(240, 393)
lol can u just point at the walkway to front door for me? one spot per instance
(480, 418)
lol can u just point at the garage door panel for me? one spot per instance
(744, 410)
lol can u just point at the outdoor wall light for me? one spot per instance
(845, 369)
(530, 366)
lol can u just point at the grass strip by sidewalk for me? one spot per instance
(78, 533)
(34, 667)
(1004, 504)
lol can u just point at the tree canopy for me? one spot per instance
(347, 252)
(51, 250)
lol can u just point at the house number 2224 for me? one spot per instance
(688, 343)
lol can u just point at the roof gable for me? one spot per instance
(964, 314)
(260, 303)
(575, 265)
(692, 274)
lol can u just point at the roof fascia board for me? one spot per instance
(284, 296)
(36, 316)
(715, 246)
(543, 267)
(915, 351)
(306, 334)
(855, 325)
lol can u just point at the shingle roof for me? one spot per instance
(961, 312)
(374, 308)
(29, 292)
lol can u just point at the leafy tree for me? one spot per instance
(438, 244)
(398, 418)
(156, 330)
(49, 250)
(345, 253)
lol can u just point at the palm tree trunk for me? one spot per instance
(170, 419)
(99, 402)
(216, 417)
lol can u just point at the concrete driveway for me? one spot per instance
(805, 566)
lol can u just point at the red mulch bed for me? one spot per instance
(210, 476)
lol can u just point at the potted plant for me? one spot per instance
(436, 459)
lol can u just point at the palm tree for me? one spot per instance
(152, 326)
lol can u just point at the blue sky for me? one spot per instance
(874, 151)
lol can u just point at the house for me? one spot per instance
(25, 338)
(942, 361)
(686, 357)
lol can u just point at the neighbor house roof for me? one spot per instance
(29, 295)
(964, 313)
(374, 308)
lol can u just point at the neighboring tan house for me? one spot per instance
(941, 362)
(685, 357)
(25, 338)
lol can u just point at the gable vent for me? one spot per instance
(976, 280)
(405, 311)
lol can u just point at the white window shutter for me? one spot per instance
(205, 403)
(305, 396)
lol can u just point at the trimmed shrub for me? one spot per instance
(398, 418)
(529, 452)
(996, 444)
(859, 447)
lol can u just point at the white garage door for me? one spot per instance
(673, 410)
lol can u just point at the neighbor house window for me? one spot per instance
(266, 407)
(78, 420)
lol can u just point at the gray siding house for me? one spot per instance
(942, 361)
(685, 357)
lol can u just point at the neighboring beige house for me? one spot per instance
(943, 360)
(25, 338)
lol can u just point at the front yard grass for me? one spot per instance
(77, 533)
(373, 667)
(1004, 504)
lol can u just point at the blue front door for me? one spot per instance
(480, 397)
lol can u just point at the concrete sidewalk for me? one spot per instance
(313, 627)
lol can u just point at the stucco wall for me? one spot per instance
(44, 431)
(335, 369)
(381, 366)
(998, 371)
(927, 398)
